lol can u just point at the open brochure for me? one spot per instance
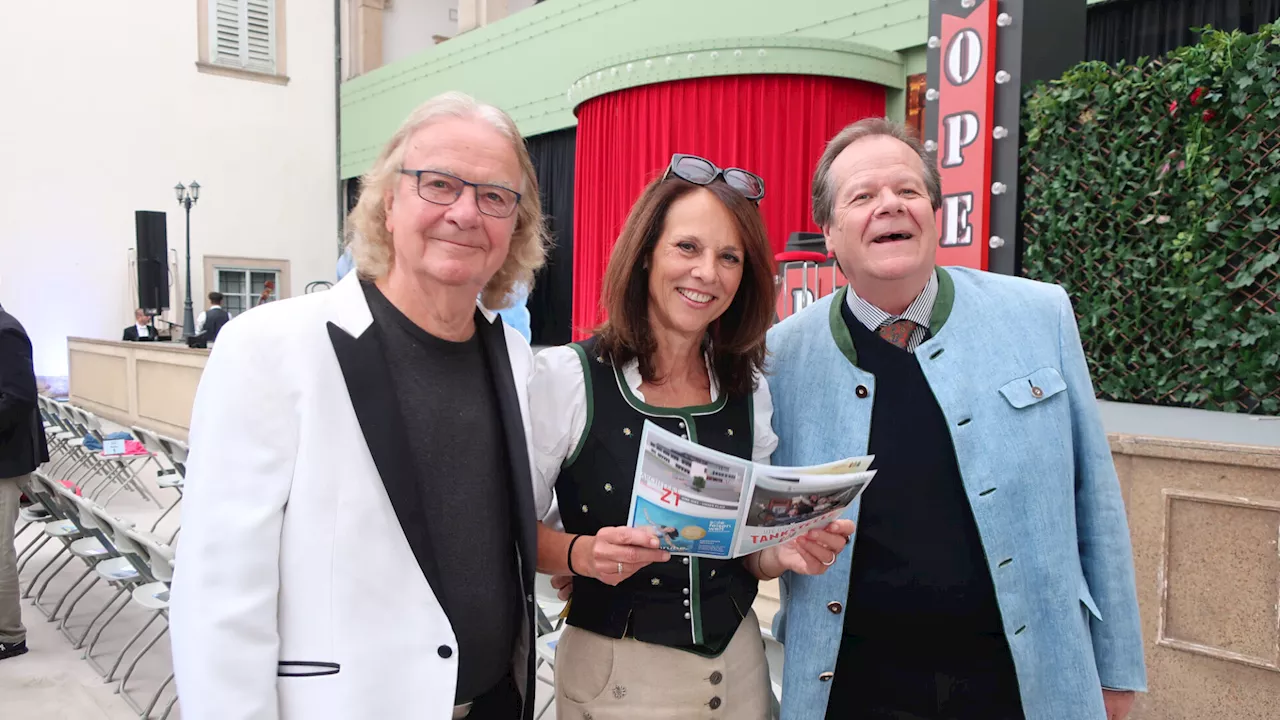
(706, 503)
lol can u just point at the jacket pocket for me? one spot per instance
(306, 668)
(1034, 388)
(1086, 599)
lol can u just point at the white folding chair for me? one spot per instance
(67, 530)
(121, 470)
(91, 547)
(154, 596)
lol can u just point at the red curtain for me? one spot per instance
(773, 125)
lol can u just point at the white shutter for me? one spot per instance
(242, 34)
(225, 32)
(260, 35)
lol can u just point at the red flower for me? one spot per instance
(1195, 95)
(1173, 107)
(1208, 115)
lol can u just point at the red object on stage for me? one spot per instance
(773, 125)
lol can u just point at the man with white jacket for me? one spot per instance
(358, 532)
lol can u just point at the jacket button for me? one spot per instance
(716, 678)
(445, 651)
(715, 703)
(861, 391)
(826, 676)
(835, 607)
(1036, 392)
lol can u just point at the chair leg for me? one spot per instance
(53, 615)
(111, 674)
(36, 578)
(156, 698)
(72, 607)
(87, 656)
(88, 628)
(49, 579)
(34, 551)
(124, 679)
(169, 708)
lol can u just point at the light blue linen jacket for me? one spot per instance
(1007, 368)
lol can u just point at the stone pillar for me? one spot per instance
(366, 33)
(474, 14)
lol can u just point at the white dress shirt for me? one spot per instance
(558, 410)
(143, 330)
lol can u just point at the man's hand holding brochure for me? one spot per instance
(706, 503)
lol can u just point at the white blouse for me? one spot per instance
(558, 406)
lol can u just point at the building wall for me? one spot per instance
(105, 111)
(409, 25)
(526, 62)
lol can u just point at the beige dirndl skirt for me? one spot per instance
(602, 678)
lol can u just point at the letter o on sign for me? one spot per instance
(964, 55)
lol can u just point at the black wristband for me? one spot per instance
(569, 557)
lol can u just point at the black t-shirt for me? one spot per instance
(456, 440)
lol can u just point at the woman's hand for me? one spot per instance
(808, 554)
(616, 553)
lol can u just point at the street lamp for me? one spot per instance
(187, 196)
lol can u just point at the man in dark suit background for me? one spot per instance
(142, 330)
(22, 450)
(210, 322)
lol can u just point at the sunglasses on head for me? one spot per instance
(701, 171)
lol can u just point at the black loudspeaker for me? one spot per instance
(153, 261)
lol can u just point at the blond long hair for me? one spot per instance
(370, 242)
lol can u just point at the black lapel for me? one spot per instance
(494, 339)
(364, 368)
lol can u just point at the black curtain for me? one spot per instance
(1129, 29)
(551, 303)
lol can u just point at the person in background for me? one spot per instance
(22, 450)
(516, 314)
(268, 291)
(992, 575)
(141, 330)
(689, 294)
(210, 322)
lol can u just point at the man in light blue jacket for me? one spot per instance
(991, 576)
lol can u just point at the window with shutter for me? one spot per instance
(242, 34)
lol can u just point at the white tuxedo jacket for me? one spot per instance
(303, 582)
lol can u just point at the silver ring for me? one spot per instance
(833, 559)
(619, 568)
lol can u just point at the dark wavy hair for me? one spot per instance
(736, 338)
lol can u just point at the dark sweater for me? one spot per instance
(450, 413)
(920, 576)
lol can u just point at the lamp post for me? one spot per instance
(187, 196)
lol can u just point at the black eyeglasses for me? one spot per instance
(445, 189)
(701, 171)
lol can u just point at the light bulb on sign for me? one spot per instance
(930, 145)
(996, 242)
(935, 42)
(998, 188)
(1004, 20)
(966, 3)
(931, 95)
(1000, 133)
(1003, 77)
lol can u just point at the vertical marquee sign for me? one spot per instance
(972, 109)
(959, 122)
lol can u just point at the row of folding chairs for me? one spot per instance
(112, 550)
(70, 497)
(102, 476)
